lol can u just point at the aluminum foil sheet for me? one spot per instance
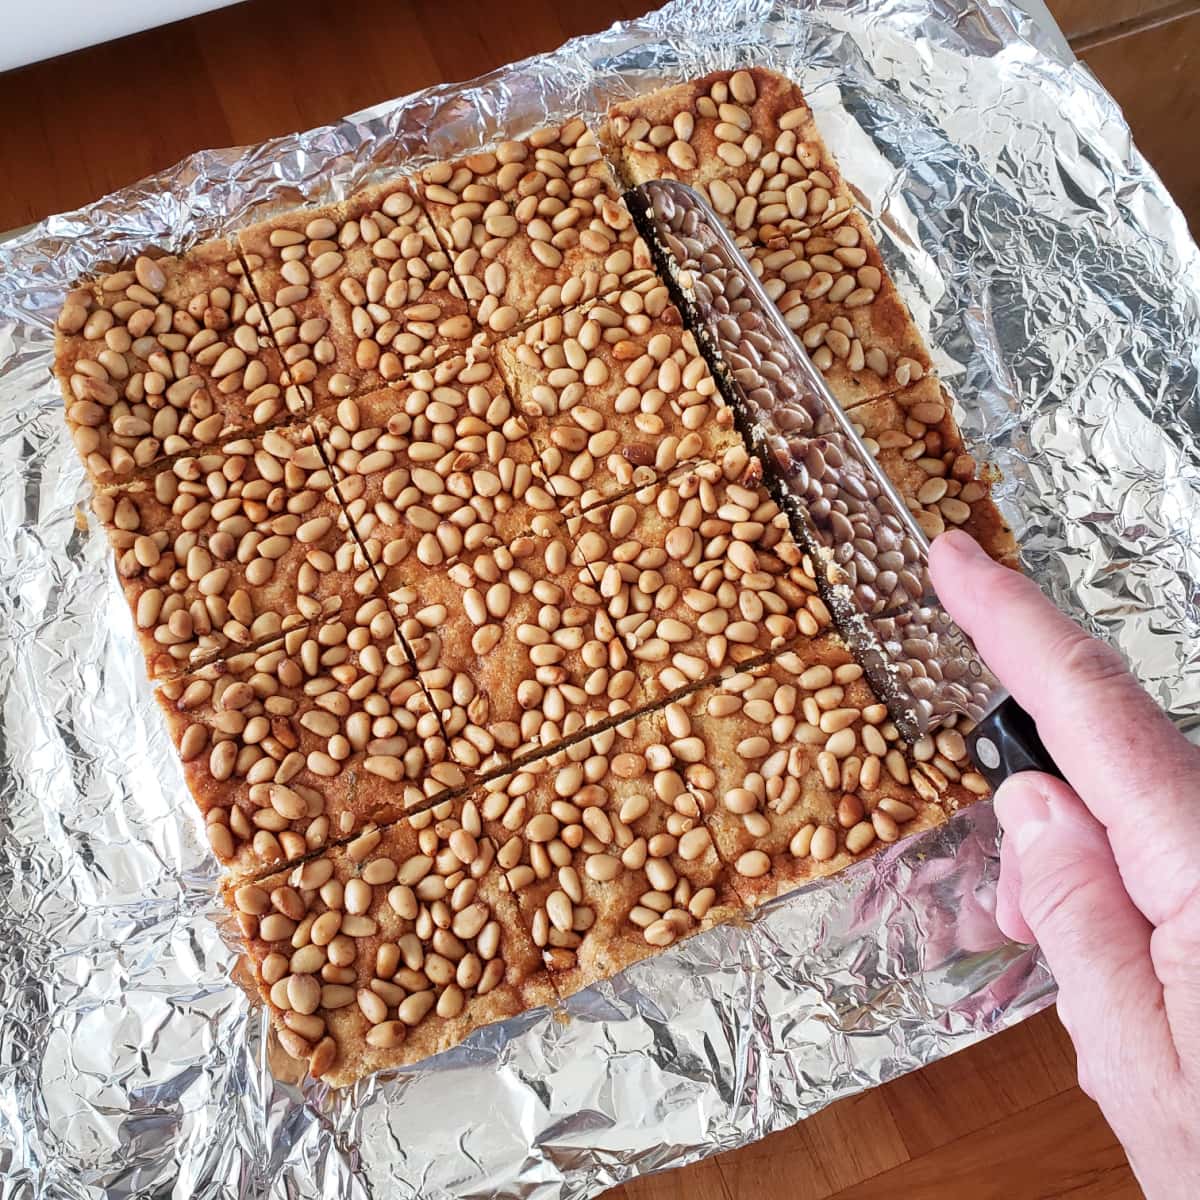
(1061, 292)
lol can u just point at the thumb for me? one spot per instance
(1096, 941)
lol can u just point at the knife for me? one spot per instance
(871, 556)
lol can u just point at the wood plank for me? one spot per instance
(1078, 17)
(701, 1181)
(282, 67)
(981, 1085)
(1059, 1147)
(853, 1140)
(1155, 77)
(63, 144)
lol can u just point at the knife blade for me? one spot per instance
(870, 554)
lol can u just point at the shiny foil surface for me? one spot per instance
(1060, 291)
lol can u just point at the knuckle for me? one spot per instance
(1175, 942)
(1092, 1068)
(1087, 661)
(1010, 588)
(1054, 901)
(1090, 1072)
(1086, 1076)
(1006, 591)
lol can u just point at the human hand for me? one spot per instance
(1103, 872)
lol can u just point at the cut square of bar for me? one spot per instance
(358, 293)
(163, 358)
(306, 739)
(746, 140)
(535, 226)
(914, 436)
(439, 466)
(605, 870)
(526, 644)
(232, 546)
(503, 640)
(390, 949)
(696, 575)
(799, 772)
(616, 394)
(834, 291)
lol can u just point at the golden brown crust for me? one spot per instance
(358, 293)
(534, 227)
(616, 394)
(524, 644)
(834, 292)
(605, 870)
(695, 575)
(746, 140)
(439, 466)
(166, 356)
(292, 306)
(497, 638)
(390, 949)
(421, 295)
(917, 442)
(285, 748)
(799, 772)
(788, 873)
(229, 547)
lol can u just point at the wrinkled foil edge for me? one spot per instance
(1061, 293)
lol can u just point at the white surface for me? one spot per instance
(37, 29)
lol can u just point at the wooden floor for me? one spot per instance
(1003, 1119)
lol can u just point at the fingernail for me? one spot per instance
(1022, 812)
(961, 543)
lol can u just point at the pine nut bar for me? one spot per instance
(501, 640)
(835, 294)
(799, 771)
(746, 140)
(605, 868)
(695, 575)
(534, 226)
(163, 358)
(436, 467)
(492, 664)
(229, 547)
(358, 293)
(616, 394)
(528, 643)
(916, 440)
(306, 739)
(392, 948)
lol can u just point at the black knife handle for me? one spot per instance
(1006, 741)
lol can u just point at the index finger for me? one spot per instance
(1128, 763)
